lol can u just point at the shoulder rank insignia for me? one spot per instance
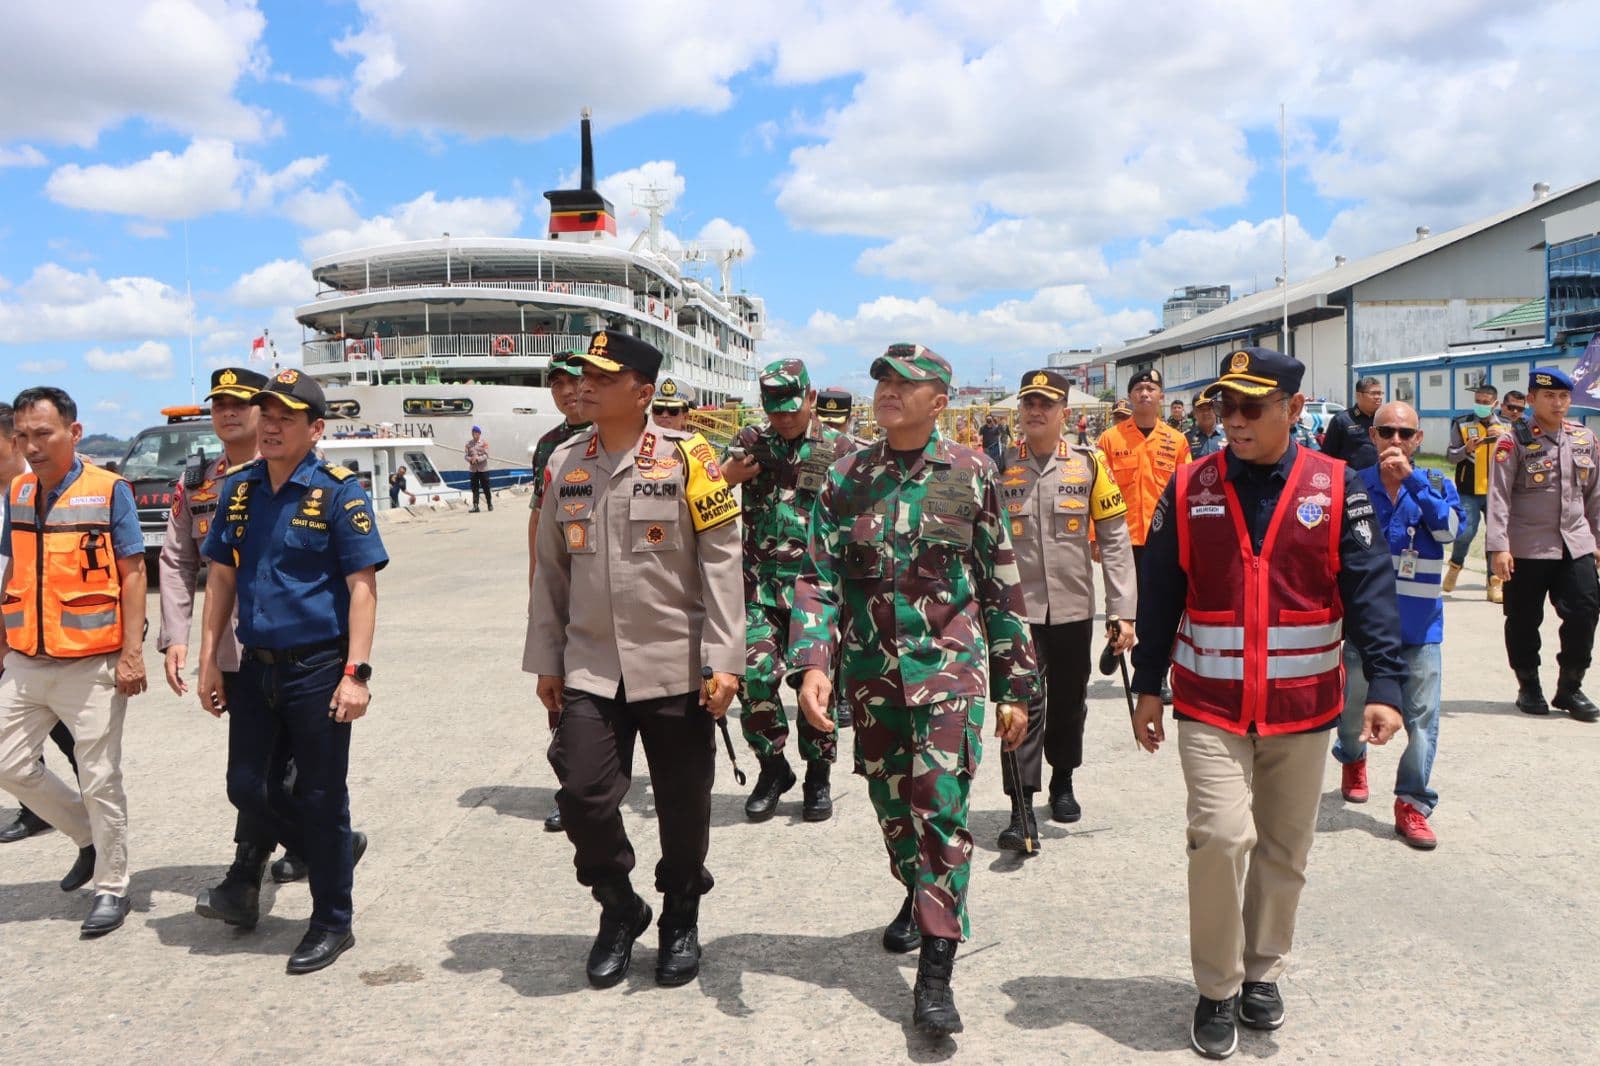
(339, 473)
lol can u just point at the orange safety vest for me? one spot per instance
(65, 596)
(1142, 465)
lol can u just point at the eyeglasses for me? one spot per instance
(1228, 405)
(1391, 432)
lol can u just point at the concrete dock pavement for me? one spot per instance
(471, 932)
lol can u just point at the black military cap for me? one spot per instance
(1150, 374)
(235, 381)
(1047, 383)
(612, 352)
(833, 406)
(296, 390)
(1202, 400)
(1256, 372)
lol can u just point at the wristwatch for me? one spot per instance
(362, 672)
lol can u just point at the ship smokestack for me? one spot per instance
(586, 181)
(582, 214)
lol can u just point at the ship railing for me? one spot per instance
(439, 346)
(593, 290)
(657, 307)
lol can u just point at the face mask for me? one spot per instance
(1482, 410)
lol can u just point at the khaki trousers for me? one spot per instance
(34, 694)
(1252, 815)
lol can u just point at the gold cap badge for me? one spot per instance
(228, 377)
(1240, 363)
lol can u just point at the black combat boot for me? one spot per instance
(678, 958)
(935, 1011)
(775, 779)
(818, 805)
(237, 900)
(902, 935)
(1063, 804)
(1015, 836)
(623, 919)
(1570, 698)
(1530, 697)
(841, 711)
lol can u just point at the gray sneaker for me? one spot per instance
(1260, 1007)
(1212, 1032)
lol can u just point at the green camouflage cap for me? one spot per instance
(913, 362)
(784, 384)
(562, 362)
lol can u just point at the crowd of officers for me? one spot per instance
(907, 587)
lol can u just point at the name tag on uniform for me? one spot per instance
(1408, 564)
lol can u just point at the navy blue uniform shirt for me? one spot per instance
(1347, 438)
(293, 549)
(1366, 578)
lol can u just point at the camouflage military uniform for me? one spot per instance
(543, 450)
(910, 582)
(777, 517)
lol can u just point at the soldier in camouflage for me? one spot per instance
(910, 585)
(781, 465)
(563, 377)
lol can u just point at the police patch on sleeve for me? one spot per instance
(361, 521)
(1107, 501)
(711, 499)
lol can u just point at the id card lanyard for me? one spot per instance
(1408, 558)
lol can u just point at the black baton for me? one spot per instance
(722, 724)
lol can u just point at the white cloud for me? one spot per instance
(151, 360)
(425, 217)
(60, 304)
(23, 155)
(69, 72)
(409, 56)
(208, 176)
(145, 230)
(623, 186)
(280, 282)
(43, 367)
(324, 209)
(108, 406)
(720, 233)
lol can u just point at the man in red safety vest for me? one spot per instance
(1260, 559)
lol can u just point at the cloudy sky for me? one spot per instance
(996, 180)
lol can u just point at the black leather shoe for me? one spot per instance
(1015, 836)
(623, 919)
(841, 711)
(818, 802)
(27, 824)
(1570, 698)
(318, 949)
(552, 824)
(1260, 1006)
(1530, 697)
(289, 869)
(934, 1005)
(81, 871)
(237, 900)
(678, 955)
(1213, 1032)
(775, 779)
(1063, 804)
(106, 914)
(903, 936)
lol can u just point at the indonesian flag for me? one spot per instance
(377, 346)
(258, 348)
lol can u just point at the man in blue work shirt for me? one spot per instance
(1419, 515)
(295, 541)
(1205, 436)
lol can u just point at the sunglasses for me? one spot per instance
(1228, 405)
(1516, 408)
(1391, 432)
(664, 410)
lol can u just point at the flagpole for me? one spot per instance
(1283, 223)
(188, 292)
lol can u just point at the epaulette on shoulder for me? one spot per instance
(247, 464)
(338, 473)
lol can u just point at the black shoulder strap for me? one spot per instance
(1524, 431)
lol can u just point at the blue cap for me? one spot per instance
(1256, 372)
(1548, 377)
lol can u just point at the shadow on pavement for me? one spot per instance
(1334, 815)
(1140, 1013)
(41, 900)
(1505, 706)
(535, 803)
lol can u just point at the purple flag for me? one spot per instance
(1586, 376)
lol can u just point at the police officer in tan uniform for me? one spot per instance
(669, 408)
(1054, 493)
(636, 629)
(1544, 516)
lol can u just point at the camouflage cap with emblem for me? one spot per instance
(1256, 372)
(613, 352)
(295, 390)
(672, 395)
(784, 385)
(912, 362)
(235, 381)
(561, 363)
(834, 406)
(1050, 384)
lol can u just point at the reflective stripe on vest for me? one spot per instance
(65, 596)
(1259, 645)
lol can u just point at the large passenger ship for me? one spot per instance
(430, 338)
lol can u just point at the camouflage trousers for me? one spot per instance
(919, 762)
(764, 721)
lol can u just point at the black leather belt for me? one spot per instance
(289, 656)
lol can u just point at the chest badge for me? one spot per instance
(1312, 511)
(1016, 527)
(655, 534)
(577, 536)
(575, 477)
